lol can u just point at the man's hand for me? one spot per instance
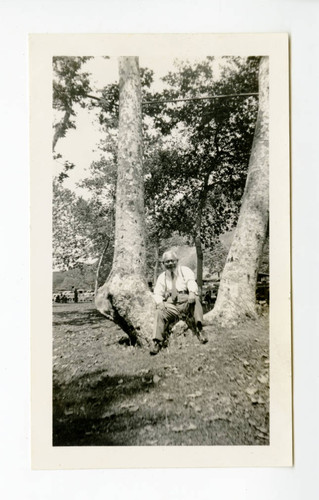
(161, 306)
(191, 298)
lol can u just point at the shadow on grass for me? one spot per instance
(96, 410)
(78, 317)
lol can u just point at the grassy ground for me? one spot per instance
(107, 393)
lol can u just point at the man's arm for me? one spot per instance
(159, 289)
(189, 278)
(190, 283)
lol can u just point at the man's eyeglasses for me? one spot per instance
(168, 261)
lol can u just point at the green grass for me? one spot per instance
(106, 393)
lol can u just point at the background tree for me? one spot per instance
(101, 184)
(70, 87)
(236, 296)
(82, 229)
(70, 245)
(198, 178)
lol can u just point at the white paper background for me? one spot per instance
(18, 18)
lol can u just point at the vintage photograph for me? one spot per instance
(161, 249)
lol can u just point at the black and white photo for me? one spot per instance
(169, 188)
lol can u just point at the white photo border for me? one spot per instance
(42, 49)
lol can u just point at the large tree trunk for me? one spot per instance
(236, 297)
(125, 295)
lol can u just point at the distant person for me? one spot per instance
(64, 299)
(57, 298)
(175, 294)
(76, 296)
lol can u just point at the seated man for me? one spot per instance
(175, 294)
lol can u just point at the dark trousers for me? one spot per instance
(174, 312)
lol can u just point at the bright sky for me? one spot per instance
(80, 144)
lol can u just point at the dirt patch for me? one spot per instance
(108, 393)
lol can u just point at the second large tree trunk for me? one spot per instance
(125, 296)
(236, 296)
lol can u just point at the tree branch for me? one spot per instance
(61, 128)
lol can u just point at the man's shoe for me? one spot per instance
(156, 347)
(202, 337)
(200, 334)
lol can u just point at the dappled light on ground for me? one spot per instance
(107, 393)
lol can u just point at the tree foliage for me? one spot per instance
(219, 136)
(81, 228)
(196, 152)
(195, 178)
(70, 87)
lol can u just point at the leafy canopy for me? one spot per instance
(196, 152)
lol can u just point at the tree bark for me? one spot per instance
(198, 235)
(125, 295)
(155, 274)
(97, 274)
(199, 259)
(60, 129)
(236, 296)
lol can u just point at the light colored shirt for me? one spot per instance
(185, 281)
